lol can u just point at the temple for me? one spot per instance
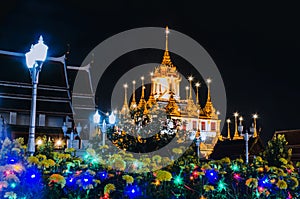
(196, 121)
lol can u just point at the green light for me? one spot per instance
(222, 186)
(13, 185)
(178, 180)
(235, 167)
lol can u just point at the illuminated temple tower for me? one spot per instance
(165, 94)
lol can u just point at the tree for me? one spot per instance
(276, 151)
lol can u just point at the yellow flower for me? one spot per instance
(109, 188)
(156, 158)
(225, 160)
(284, 161)
(281, 184)
(33, 160)
(129, 179)
(206, 167)
(57, 179)
(260, 169)
(162, 175)
(208, 188)
(41, 156)
(177, 151)
(51, 162)
(119, 164)
(18, 168)
(251, 182)
(294, 183)
(91, 152)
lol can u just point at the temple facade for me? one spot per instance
(196, 121)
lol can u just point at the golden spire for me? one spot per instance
(142, 101)
(125, 109)
(209, 110)
(236, 135)
(133, 102)
(190, 80)
(151, 99)
(197, 94)
(166, 59)
(172, 108)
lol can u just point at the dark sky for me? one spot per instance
(255, 46)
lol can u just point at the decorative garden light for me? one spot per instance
(34, 61)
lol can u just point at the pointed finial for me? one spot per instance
(41, 39)
(167, 32)
(208, 87)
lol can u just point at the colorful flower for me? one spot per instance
(129, 179)
(162, 175)
(57, 179)
(281, 184)
(109, 188)
(208, 188)
(252, 182)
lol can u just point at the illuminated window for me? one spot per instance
(203, 126)
(194, 125)
(213, 126)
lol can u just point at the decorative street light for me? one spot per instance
(246, 136)
(255, 116)
(228, 129)
(96, 119)
(103, 132)
(71, 135)
(34, 61)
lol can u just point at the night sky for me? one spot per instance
(255, 46)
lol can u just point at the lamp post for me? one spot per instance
(71, 135)
(255, 116)
(96, 119)
(246, 138)
(34, 61)
(228, 129)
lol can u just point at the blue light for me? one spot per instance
(102, 175)
(264, 182)
(212, 175)
(86, 180)
(32, 175)
(133, 191)
(71, 181)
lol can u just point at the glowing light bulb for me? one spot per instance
(191, 78)
(228, 121)
(255, 116)
(208, 80)
(125, 85)
(197, 84)
(236, 114)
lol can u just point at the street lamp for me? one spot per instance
(96, 119)
(255, 116)
(71, 135)
(246, 138)
(228, 129)
(34, 61)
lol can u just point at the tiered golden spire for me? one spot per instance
(142, 102)
(209, 110)
(151, 99)
(133, 102)
(125, 109)
(172, 108)
(167, 59)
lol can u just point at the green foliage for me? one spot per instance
(277, 150)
